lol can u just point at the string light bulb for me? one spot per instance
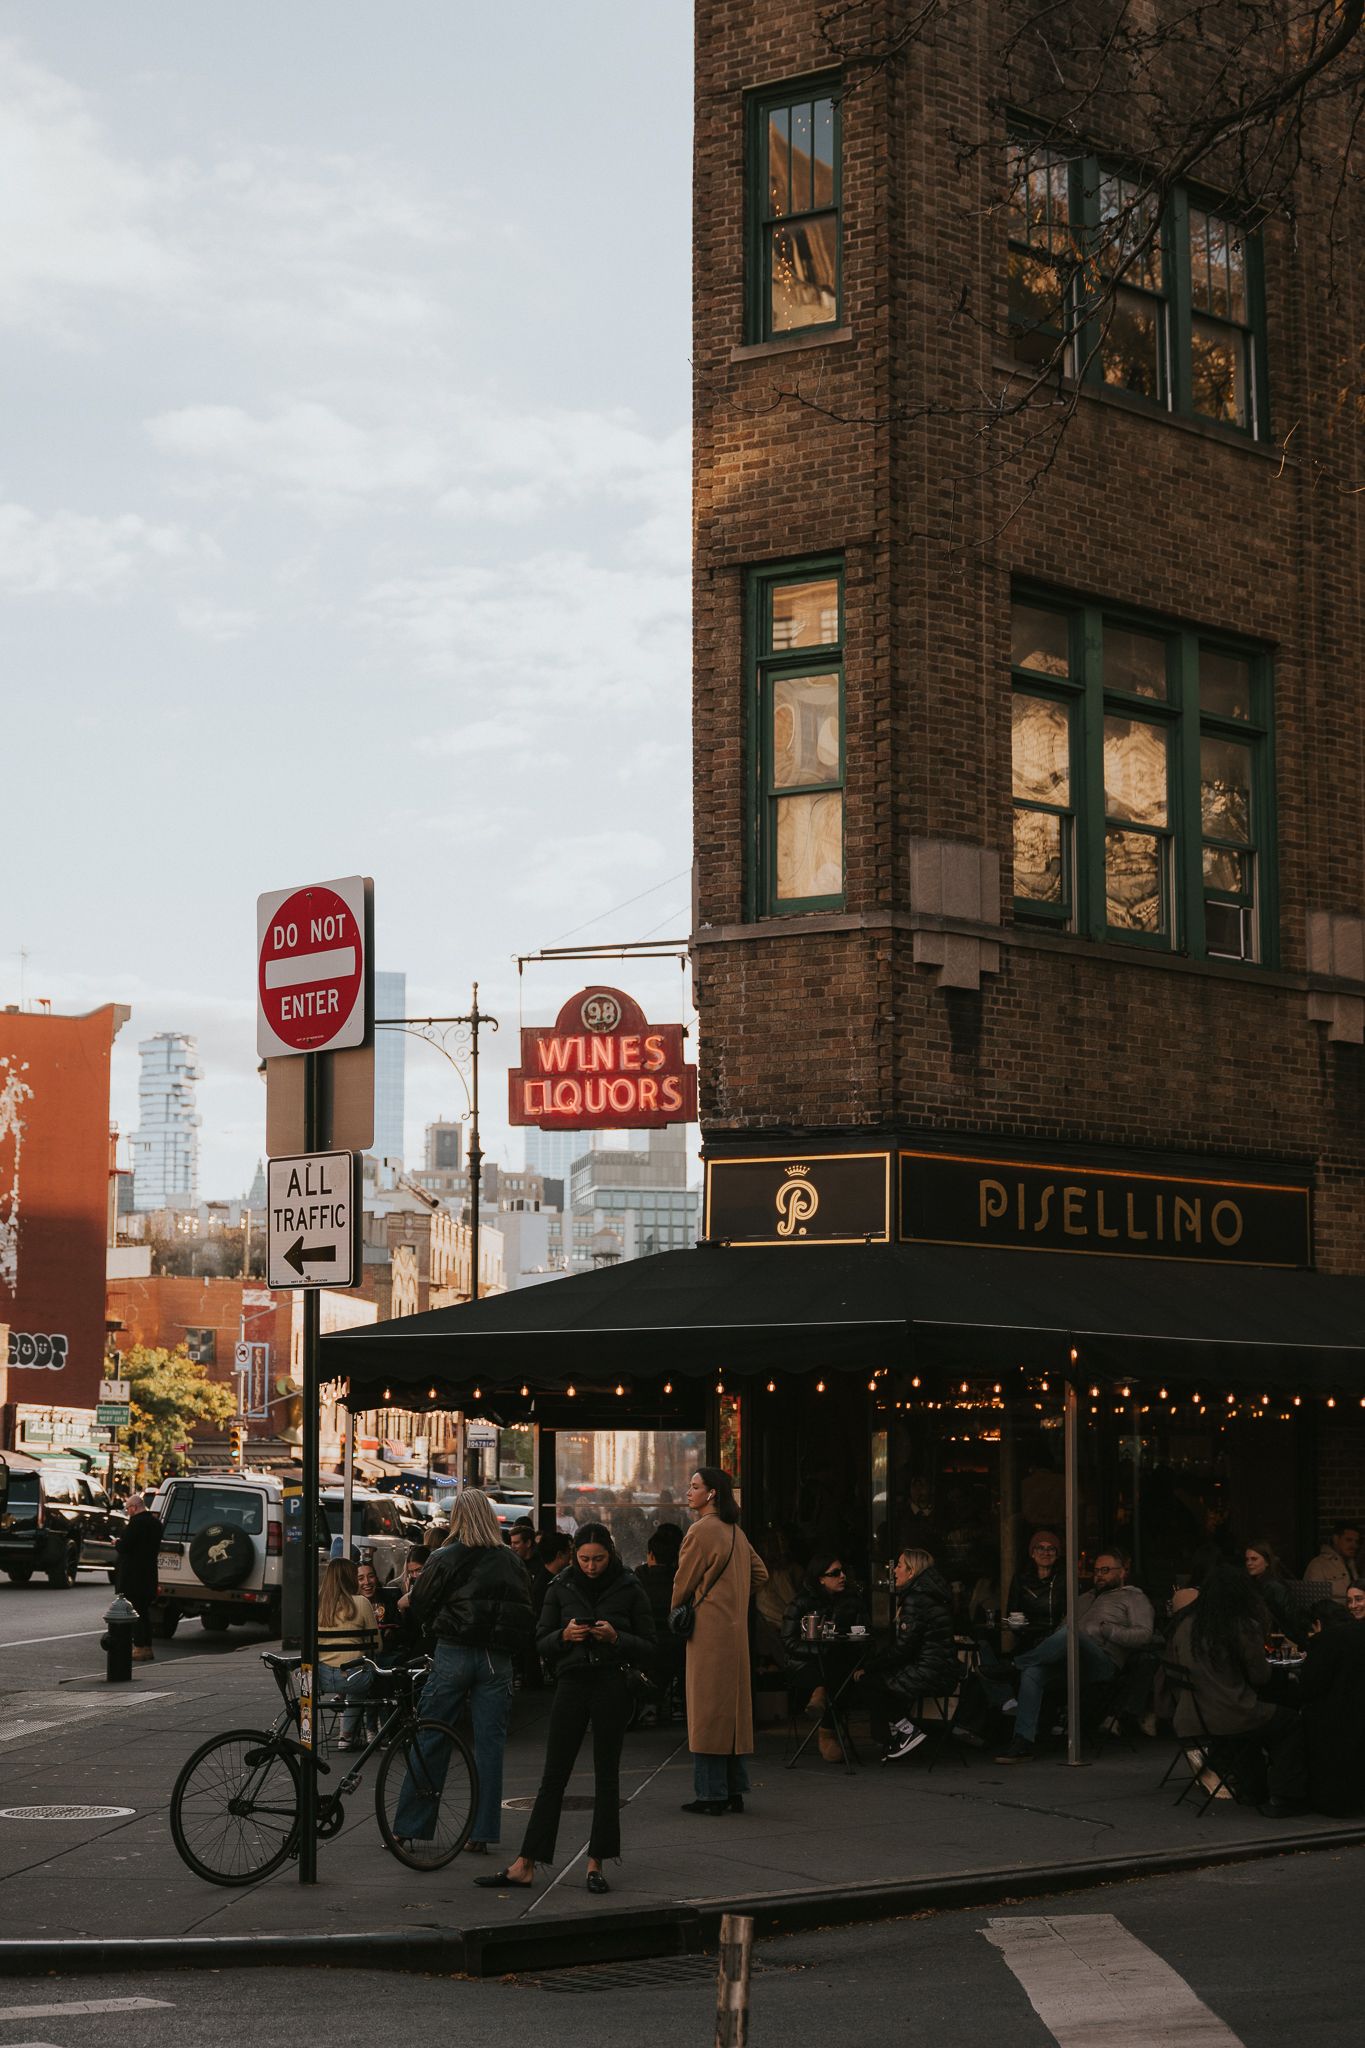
(772, 1386)
(668, 1386)
(720, 1386)
(571, 1390)
(387, 1395)
(619, 1389)
(819, 1386)
(1075, 1354)
(524, 1391)
(1331, 1400)
(1127, 1393)
(1161, 1393)
(915, 1381)
(431, 1393)
(478, 1393)
(1298, 1400)
(1094, 1393)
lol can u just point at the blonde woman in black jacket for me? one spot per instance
(595, 1621)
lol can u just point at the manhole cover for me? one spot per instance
(573, 1802)
(65, 1812)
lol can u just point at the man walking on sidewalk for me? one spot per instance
(135, 1572)
(1111, 1620)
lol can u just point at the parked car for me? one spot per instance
(222, 1550)
(42, 1524)
(104, 1524)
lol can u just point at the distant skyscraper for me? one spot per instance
(552, 1153)
(390, 1063)
(444, 1147)
(165, 1145)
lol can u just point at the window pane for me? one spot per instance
(1135, 662)
(1041, 749)
(805, 730)
(1225, 789)
(1217, 301)
(1224, 684)
(1237, 273)
(1041, 640)
(1039, 865)
(1040, 201)
(810, 846)
(1128, 219)
(1135, 771)
(1218, 371)
(801, 155)
(1133, 344)
(1038, 312)
(779, 160)
(823, 143)
(1227, 931)
(1133, 882)
(1199, 257)
(1226, 871)
(803, 262)
(805, 614)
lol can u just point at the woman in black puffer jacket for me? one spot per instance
(838, 1604)
(921, 1658)
(595, 1620)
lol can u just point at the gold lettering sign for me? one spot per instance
(796, 1201)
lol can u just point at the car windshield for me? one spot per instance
(23, 1486)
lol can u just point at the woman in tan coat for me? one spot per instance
(718, 1570)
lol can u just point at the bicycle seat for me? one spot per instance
(282, 1660)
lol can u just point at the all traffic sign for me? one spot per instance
(312, 975)
(313, 1220)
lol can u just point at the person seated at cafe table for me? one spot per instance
(1219, 1639)
(1112, 1620)
(1331, 1688)
(920, 1660)
(828, 1605)
(1269, 1577)
(1036, 1605)
(1336, 1565)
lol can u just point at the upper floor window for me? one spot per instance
(1108, 287)
(796, 727)
(1142, 781)
(794, 201)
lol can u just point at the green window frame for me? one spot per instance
(1184, 329)
(797, 760)
(794, 203)
(1143, 781)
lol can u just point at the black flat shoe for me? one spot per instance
(713, 1807)
(476, 1848)
(597, 1884)
(498, 1880)
(735, 1803)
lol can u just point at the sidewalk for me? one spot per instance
(827, 1845)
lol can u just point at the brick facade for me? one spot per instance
(865, 442)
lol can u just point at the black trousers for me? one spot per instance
(582, 1698)
(141, 1599)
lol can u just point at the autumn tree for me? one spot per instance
(170, 1394)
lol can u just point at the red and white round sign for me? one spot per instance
(311, 968)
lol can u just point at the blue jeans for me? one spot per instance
(1034, 1667)
(718, 1777)
(333, 1682)
(484, 1679)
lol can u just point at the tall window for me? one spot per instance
(1106, 286)
(794, 200)
(797, 739)
(1142, 781)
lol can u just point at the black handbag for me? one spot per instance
(682, 1619)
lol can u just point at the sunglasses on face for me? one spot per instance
(836, 1571)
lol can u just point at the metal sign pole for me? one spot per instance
(348, 1498)
(308, 1789)
(1071, 1465)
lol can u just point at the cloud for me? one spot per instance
(77, 555)
(305, 449)
(215, 622)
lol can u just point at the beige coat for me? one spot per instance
(720, 1707)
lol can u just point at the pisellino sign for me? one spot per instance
(951, 1199)
(602, 1066)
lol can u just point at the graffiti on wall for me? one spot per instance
(40, 1352)
(14, 1093)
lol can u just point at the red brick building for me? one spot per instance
(1030, 913)
(54, 1211)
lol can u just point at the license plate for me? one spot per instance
(166, 1560)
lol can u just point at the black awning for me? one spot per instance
(759, 1309)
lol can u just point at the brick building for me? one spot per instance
(1028, 759)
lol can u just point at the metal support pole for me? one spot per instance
(1071, 1465)
(732, 1981)
(308, 1782)
(348, 1498)
(475, 1148)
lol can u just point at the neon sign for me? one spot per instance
(602, 1066)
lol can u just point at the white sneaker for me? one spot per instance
(905, 1736)
(1010, 1707)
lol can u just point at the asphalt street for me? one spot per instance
(60, 1631)
(1260, 1955)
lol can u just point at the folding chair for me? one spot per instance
(1222, 1756)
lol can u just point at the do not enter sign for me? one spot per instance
(311, 968)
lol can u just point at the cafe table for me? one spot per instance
(836, 1658)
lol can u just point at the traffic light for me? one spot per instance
(236, 1442)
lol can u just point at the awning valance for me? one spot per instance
(742, 1310)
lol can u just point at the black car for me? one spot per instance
(42, 1522)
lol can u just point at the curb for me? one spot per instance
(633, 1935)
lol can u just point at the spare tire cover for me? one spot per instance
(222, 1555)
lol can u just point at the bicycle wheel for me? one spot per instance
(432, 1763)
(235, 1807)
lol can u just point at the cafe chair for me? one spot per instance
(1223, 1758)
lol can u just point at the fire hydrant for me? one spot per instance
(118, 1641)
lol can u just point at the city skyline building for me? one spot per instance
(165, 1145)
(552, 1153)
(443, 1146)
(390, 1067)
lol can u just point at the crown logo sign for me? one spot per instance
(798, 1172)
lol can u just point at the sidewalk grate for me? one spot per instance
(636, 1976)
(573, 1802)
(65, 1812)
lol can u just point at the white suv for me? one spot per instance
(222, 1550)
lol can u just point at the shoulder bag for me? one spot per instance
(682, 1619)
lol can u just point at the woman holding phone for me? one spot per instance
(595, 1620)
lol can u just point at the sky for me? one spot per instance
(343, 508)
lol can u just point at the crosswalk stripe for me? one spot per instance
(78, 2007)
(1095, 1985)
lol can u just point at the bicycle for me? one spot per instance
(235, 1806)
